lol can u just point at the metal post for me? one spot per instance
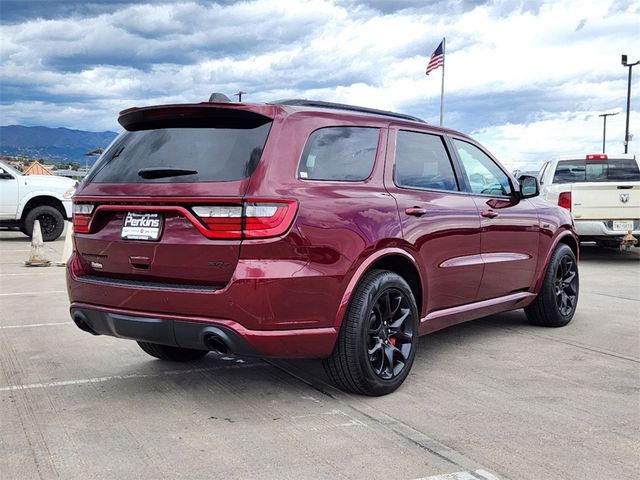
(626, 130)
(444, 56)
(604, 129)
(604, 133)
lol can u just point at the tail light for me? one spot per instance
(82, 217)
(597, 156)
(254, 219)
(564, 200)
(251, 219)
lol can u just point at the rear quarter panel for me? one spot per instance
(338, 224)
(555, 226)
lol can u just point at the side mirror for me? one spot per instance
(529, 186)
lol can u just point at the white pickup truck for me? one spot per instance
(25, 198)
(601, 191)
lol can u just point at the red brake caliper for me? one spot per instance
(392, 341)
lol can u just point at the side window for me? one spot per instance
(422, 161)
(485, 177)
(339, 153)
(570, 171)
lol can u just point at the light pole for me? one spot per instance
(239, 95)
(604, 128)
(626, 131)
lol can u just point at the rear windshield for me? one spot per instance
(172, 155)
(610, 170)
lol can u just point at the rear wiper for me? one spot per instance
(162, 172)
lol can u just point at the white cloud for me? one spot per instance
(526, 147)
(514, 75)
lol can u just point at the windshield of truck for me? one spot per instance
(9, 169)
(605, 170)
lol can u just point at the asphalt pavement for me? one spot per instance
(491, 399)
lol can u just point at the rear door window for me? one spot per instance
(422, 162)
(598, 170)
(339, 154)
(214, 154)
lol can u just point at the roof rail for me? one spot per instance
(341, 106)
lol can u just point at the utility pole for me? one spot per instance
(604, 128)
(239, 95)
(626, 131)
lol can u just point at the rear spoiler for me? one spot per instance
(212, 115)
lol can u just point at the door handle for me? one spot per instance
(140, 262)
(489, 214)
(415, 211)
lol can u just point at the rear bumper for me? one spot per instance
(594, 229)
(204, 333)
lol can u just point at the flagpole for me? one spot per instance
(442, 89)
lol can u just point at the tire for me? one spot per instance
(173, 354)
(372, 357)
(51, 222)
(557, 300)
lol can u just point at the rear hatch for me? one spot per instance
(164, 206)
(603, 187)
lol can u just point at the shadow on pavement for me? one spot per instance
(590, 252)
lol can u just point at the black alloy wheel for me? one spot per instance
(51, 222)
(566, 285)
(378, 337)
(390, 334)
(557, 299)
(47, 223)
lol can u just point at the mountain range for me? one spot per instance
(52, 144)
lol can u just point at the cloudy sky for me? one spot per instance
(527, 78)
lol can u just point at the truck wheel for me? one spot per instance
(558, 297)
(173, 354)
(378, 338)
(51, 222)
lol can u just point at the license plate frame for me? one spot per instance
(622, 225)
(145, 226)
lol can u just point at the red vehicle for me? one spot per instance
(305, 229)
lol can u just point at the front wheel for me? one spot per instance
(173, 354)
(51, 222)
(377, 342)
(557, 300)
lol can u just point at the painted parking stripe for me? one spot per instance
(88, 381)
(33, 272)
(34, 325)
(49, 292)
(477, 475)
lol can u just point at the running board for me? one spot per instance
(451, 316)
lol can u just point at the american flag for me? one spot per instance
(437, 58)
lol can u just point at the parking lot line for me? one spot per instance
(85, 381)
(33, 325)
(477, 475)
(49, 292)
(33, 272)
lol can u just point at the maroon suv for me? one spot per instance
(303, 229)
